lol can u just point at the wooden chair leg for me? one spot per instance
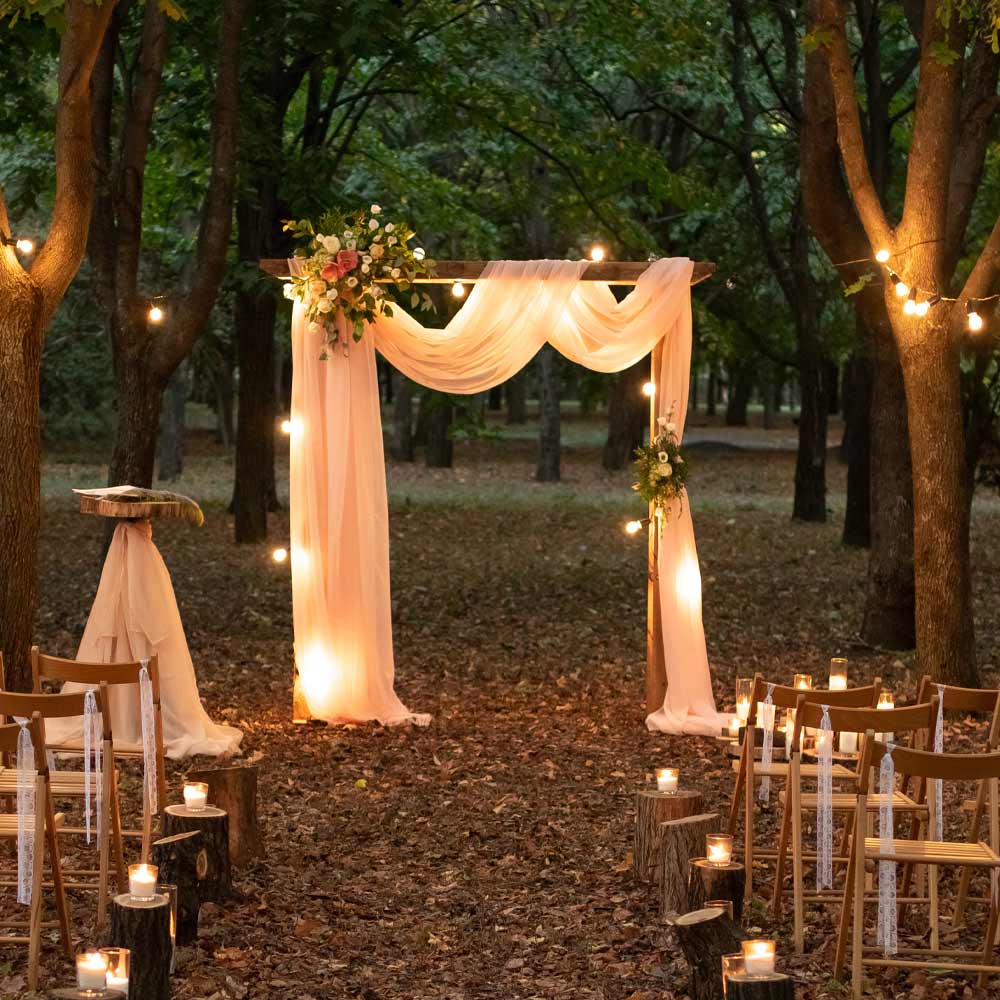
(858, 930)
(35, 912)
(103, 839)
(51, 838)
(844, 921)
(748, 835)
(991, 933)
(965, 880)
(116, 836)
(798, 888)
(734, 809)
(934, 917)
(779, 865)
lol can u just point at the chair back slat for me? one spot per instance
(960, 699)
(785, 696)
(926, 764)
(11, 732)
(56, 668)
(56, 706)
(908, 719)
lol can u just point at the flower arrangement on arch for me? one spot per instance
(355, 263)
(660, 467)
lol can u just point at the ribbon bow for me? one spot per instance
(824, 806)
(26, 777)
(148, 734)
(767, 754)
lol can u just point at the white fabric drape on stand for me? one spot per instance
(339, 519)
(134, 616)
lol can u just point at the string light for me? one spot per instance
(634, 527)
(155, 314)
(597, 253)
(902, 288)
(22, 244)
(882, 256)
(910, 305)
(649, 389)
(458, 290)
(279, 555)
(974, 319)
(921, 307)
(286, 426)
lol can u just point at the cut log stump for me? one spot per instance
(217, 884)
(704, 937)
(651, 809)
(707, 881)
(234, 789)
(144, 928)
(183, 862)
(680, 841)
(776, 987)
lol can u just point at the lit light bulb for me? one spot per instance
(25, 246)
(921, 307)
(286, 427)
(633, 527)
(458, 290)
(279, 555)
(882, 256)
(155, 314)
(902, 288)
(649, 389)
(910, 305)
(597, 253)
(974, 319)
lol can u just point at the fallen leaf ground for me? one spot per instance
(488, 855)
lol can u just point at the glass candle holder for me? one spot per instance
(726, 905)
(195, 795)
(758, 957)
(848, 742)
(744, 687)
(838, 674)
(142, 882)
(119, 965)
(667, 779)
(803, 682)
(732, 965)
(91, 973)
(734, 727)
(719, 849)
(886, 700)
(765, 715)
(170, 891)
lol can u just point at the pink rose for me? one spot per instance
(347, 261)
(330, 273)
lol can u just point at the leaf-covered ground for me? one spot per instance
(489, 854)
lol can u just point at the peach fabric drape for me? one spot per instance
(135, 615)
(339, 520)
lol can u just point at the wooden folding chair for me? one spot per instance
(748, 771)
(914, 720)
(72, 784)
(46, 822)
(925, 765)
(54, 668)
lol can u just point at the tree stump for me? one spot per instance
(144, 928)
(72, 994)
(234, 789)
(651, 809)
(213, 824)
(705, 936)
(681, 840)
(707, 881)
(182, 862)
(775, 987)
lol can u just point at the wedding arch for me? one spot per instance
(344, 668)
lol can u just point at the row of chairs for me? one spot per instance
(53, 785)
(854, 711)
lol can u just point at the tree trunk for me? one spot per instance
(401, 447)
(140, 394)
(945, 633)
(254, 489)
(517, 398)
(713, 388)
(20, 462)
(439, 449)
(704, 937)
(628, 413)
(858, 449)
(810, 463)
(225, 433)
(833, 389)
(549, 439)
(494, 399)
(171, 443)
(740, 388)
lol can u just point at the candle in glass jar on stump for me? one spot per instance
(758, 957)
(744, 687)
(142, 882)
(719, 849)
(91, 972)
(196, 795)
(118, 965)
(667, 779)
(838, 674)
(803, 682)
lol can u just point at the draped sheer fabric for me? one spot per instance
(134, 616)
(339, 517)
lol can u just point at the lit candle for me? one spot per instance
(118, 968)
(848, 742)
(838, 674)
(719, 849)
(744, 685)
(91, 971)
(885, 702)
(734, 726)
(821, 739)
(743, 709)
(196, 795)
(666, 779)
(142, 881)
(732, 965)
(758, 957)
(803, 682)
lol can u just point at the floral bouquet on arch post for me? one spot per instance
(355, 264)
(660, 467)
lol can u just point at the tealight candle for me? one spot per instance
(91, 972)
(803, 682)
(848, 742)
(719, 849)
(838, 674)
(744, 686)
(196, 795)
(732, 965)
(758, 957)
(885, 701)
(142, 881)
(666, 779)
(118, 968)
(734, 727)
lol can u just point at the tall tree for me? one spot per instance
(29, 296)
(955, 103)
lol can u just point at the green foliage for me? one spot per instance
(661, 470)
(861, 284)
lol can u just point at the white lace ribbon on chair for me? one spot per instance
(887, 929)
(26, 777)
(93, 730)
(766, 713)
(148, 734)
(936, 798)
(824, 804)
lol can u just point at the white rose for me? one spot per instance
(331, 244)
(671, 428)
(392, 240)
(418, 253)
(331, 294)
(389, 228)
(367, 259)
(324, 305)
(373, 224)
(348, 233)
(376, 250)
(351, 282)
(394, 272)
(375, 209)
(365, 268)
(663, 457)
(666, 470)
(661, 422)
(289, 291)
